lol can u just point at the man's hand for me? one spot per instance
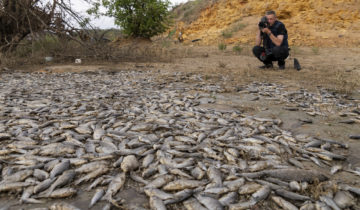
(266, 30)
(277, 40)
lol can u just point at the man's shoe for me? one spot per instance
(266, 66)
(281, 65)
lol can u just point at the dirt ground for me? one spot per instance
(332, 68)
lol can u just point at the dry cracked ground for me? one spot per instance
(190, 115)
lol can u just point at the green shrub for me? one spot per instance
(315, 50)
(222, 46)
(227, 34)
(238, 27)
(237, 49)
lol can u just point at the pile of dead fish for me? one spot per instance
(62, 134)
(321, 103)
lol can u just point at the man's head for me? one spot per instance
(271, 17)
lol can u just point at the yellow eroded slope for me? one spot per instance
(309, 22)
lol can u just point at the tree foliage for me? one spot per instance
(137, 18)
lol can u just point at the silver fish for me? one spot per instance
(158, 193)
(60, 168)
(63, 206)
(344, 199)
(228, 199)
(193, 204)
(283, 203)
(261, 193)
(182, 184)
(208, 202)
(64, 179)
(156, 203)
(97, 196)
(43, 185)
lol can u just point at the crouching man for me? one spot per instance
(272, 34)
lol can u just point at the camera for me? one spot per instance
(264, 23)
(264, 55)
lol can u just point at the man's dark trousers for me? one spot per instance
(279, 54)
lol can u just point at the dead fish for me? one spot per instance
(283, 203)
(355, 190)
(249, 188)
(95, 183)
(97, 196)
(321, 206)
(215, 190)
(98, 132)
(63, 206)
(308, 206)
(90, 167)
(344, 199)
(83, 129)
(330, 202)
(179, 196)
(180, 173)
(156, 203)
(228, 199)
(185, 139)
(258, 166)
(4, 136)
(193, 204)
(270, 184)
(151, 192)
(148, 160)
(60, 168)
(61, 193)
(115, 185)
(208, 202)
(182, 184)
(335, 169)
(149, 172)
(27, 193)
(160, 181)
(51, 164)
(242, 206)
(57, 150)
(142, 127)
(296, 163)
(288, 175)
(197, 173)
(291, 195)
(13, 186)
(261, 193)
(18, 176)
(64, 179)
(137, 178)
(201, 137)
(215, 176)
(294, 186)
(235, 184)
(98, 172)
(43, 185)
(40, 174)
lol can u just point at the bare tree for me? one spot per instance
(18, 19)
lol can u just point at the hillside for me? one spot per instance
(310, 23)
